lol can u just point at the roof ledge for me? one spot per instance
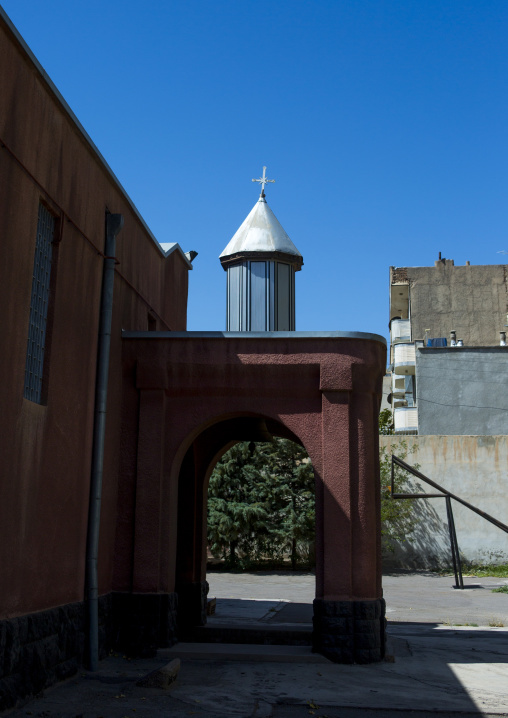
(295, 260)
(168, 248)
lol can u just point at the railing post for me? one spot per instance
(457, 568)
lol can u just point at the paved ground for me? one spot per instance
(415, 597)
(439, 670)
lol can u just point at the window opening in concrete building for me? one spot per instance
(39, 301)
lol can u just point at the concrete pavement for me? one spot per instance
(410, 596)
(438, 669)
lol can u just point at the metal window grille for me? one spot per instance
(39, 305)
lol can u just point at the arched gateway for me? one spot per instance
(187, 398)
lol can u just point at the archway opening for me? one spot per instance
(261, 527)
(246, 524)
(261, 511)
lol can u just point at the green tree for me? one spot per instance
(288, 480)
(261, 503)
(234, 512)
(386, 422)
(397, 515)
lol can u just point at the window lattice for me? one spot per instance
(39, 305)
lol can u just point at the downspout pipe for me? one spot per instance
(114, 223)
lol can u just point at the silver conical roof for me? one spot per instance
(261, 231)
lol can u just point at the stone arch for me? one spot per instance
(323, 388)
(202, 454)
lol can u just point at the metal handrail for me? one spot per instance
(448, 496)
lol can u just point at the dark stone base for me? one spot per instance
(42, 648)
(349, 631)
(192, 600)
(144, 622)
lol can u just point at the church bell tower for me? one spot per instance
(261, 261)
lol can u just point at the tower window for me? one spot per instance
(39, 305)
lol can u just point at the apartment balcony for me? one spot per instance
(398, 386)
(405, 420)
(404, 359)
(400, 330)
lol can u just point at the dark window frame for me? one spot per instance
(40, 322)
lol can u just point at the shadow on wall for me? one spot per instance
(428, 545)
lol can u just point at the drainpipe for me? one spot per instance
(114, 223)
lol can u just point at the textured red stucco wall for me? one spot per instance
(326, 391)
(45, 449)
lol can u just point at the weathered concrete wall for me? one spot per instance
(472, 467)
(387, 390)
(462, 390)
(473, 300)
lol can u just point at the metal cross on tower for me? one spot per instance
(262, 180)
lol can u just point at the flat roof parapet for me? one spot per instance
(254, 335)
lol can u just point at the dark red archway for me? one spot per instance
(195, 470)
(188, 397)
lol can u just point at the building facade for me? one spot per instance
(55, 194)
(449, 370)
(175, 401)
(445, 324)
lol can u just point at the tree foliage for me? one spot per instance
(261, 503)
(397, 515)
(386, 422)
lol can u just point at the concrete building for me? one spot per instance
(445, 322)
(449, 372)
(462, 390)
(472, 467)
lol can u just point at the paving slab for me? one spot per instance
(268, 585)
(431, 597)
(242, 652)
(245, 610)
(410, 596)
(437, 669)
(293, 613)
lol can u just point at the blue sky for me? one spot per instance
(383, 122)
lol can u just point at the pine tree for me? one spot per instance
(233, 511)
(290, 480)
(261, 503)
